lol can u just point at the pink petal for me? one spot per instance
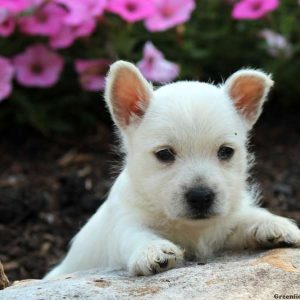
(47, 20)
(92, 83)
(86, 28)
(14, 6)
(277, 43)
(151, 52)
(67, 35)
(6, 76)
(253, 9)
(5, 90)
(96, 7)
(92, 73)
(77, 11)
(155, 68)
(132, 10)
(64, 38)
(82, 11)
(169, 13)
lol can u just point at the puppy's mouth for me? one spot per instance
(200, 216)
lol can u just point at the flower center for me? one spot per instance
(150, 60)
(256, 5)
(167, 11)
(37, 68)
(6, 23)
(42, 17)
(131, 6)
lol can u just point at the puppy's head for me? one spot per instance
(186, 141)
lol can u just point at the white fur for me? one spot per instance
(144, 225)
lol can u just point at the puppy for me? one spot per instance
(183, 189)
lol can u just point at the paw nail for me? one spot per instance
(285, 244)
(153, 270)
(169, 252)
(163, 264)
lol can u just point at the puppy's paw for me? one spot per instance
(276, 232)
(155, 257)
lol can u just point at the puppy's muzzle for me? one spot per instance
(200, 201)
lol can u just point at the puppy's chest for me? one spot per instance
(185, 235)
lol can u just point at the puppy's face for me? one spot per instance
(186, 141)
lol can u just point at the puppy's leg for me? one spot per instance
(256, 227)
(115, 238)
(146, 253)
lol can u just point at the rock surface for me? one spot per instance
(260, 275)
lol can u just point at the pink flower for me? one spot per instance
(80, 11)
(277, 44)
(92, 73)
(253, 9)
(47, 20)
(7, 27)
(38, 66)
(155, 68)
(132, 10)
(66, 36)
(8, 9)
(6, 76)
(169, 13)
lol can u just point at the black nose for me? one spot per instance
(200, 199)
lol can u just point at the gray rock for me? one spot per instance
(260, 275)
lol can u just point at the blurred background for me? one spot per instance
(56, 158)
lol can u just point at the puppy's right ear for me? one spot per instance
(127, 94)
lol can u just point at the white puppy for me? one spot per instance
(183, 189)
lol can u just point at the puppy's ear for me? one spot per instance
(248, 89)
(127, 93)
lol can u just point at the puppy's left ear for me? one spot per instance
(248, 89)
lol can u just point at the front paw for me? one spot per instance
(276, 232)
(155, 257)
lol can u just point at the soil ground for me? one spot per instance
(50, 186)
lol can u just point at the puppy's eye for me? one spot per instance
(165, 155)
(225, 153)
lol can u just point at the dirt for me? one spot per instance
(50, 186)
